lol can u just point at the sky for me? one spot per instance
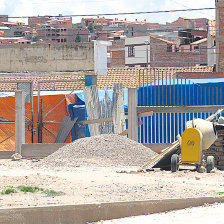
(20, 8)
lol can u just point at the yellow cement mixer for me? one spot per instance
(198, 136)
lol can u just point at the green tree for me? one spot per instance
(91, 27)
(77, 38)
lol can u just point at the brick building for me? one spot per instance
(35, 20)
(219, 35)
(13, 40)
(166, 54)
(116, 51)
(163, 53)
(186, 23)
(60, 30)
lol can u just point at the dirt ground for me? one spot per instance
(101, 184)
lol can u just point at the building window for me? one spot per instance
(176, 49)
(131, 51)
(196, 49)
(169, 48)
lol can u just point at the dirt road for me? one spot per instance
(101, 184)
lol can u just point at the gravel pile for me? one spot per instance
(101, 150)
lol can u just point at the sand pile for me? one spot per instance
(101, 150)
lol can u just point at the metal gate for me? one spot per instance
(160, 89)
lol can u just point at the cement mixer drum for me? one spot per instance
(206, 128)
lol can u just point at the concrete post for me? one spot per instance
(132, 114)
(19, 120)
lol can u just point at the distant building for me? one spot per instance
(37, 20)
(137, 51)
(137, 29)
(96, 21)
(13, 40)
(219, 35)
(60, 30)
(144, 51)
(116, 54)
(15, 29)
(3, 18)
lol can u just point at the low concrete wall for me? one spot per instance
(39, 150)
(80, 214)
(47, 57)
(43, 150)
(6, 154)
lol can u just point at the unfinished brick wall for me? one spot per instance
(183, 23)
(159, 56)
(220, 35)
(117, 51)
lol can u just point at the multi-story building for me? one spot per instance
(219, 35)
(137, 51)
(60, 30)
(174, 54)
(11, 29)
(33, 21)
(158, 52)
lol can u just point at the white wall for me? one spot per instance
(140, 49)
(211, 50)
(100, 57)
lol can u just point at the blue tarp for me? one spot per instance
(79, 110)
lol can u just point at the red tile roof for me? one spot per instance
(199, 41)
(129, 77)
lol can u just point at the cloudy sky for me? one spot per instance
(76, 7)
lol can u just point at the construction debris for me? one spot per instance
(16, 157)
(100, 150)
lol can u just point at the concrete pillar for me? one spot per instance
(132, 114)
(19, 120)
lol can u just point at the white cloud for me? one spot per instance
(74, 7)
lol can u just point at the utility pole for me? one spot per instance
(147, 53)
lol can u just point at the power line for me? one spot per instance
(185, 6)
(123, 13)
